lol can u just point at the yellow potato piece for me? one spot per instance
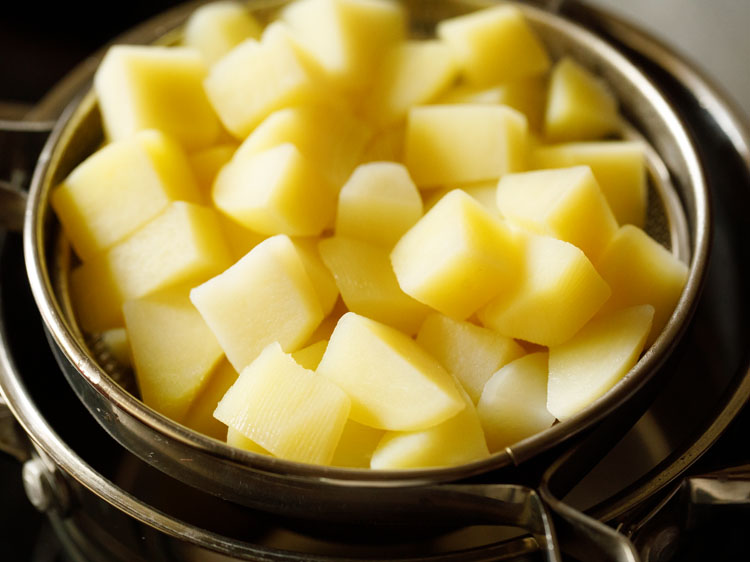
(173, 350)
(378, 204)
(457, 257)
(235, 438)
(309, 357)
(200, 416)
(495, 44)
(565, 203)
(206, 164)
(470, 352)
(265, 297)
(121, 187)
(368, 285)
(392, 382)
(595, 359)
(559, 291)
(454, 144)
(356, 445)
(320, 276)
(148, 87)
(285, 408)
(513, 404)
(215, 28)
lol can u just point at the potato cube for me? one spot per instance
(513, 405)
(457, 440)
(641, 271)
(331, 138)
(309, 357)
(237, 439)
(595, 359)
(386, 145)
(378, 204)
(147, 87)
(412, 73)
(215, 29)
(173, 350)
(200, 416)
(286, 409)
(565, 203)
(392, 382)
(457, 257)
(346, 38)
(356, 445)
(267, 296)
(240, 239)
(277, 191)
(454, 144)
(206, 164)
(119, 188)
(368, 285)
(618, 166)
(579, 105)
(321, 278)
(559, 291)
(183, 245)
(470, 352)
(495, 44)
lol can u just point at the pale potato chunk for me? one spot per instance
(309, 357)
(173, 350)
(470, 352)
(147, 87)
(215, 29)
(277, 191)
(378, 204)
(457, 257)
(392, 382)
(458, 440)
(386, 145)
(240, 239)
(641, 271)
(513, 405)
(182, 245)
(495, 44)
(346, 38)
(565, 203)
(595, 359)
(265, 297)
(320, 276)
(200, 416)
(579, 105)
(559, 291)
(235, 438)
(356, 445)
(206, 164)
(413, 73)
(454, 144)
(618, 166)
(121, 187)
(285, 408)
(368, 285)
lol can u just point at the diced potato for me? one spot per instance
(392, 382)
(206, 164)
(240, 239)
(457, 440)
(495, 44)
(559, 291)
(115, 341)
(182, 245)
(347, 38)
(215, 28)
(470, 352)
(378, 204)
(237, 439)
(356, 445)
(285, 408)
(484, 192)
(326, 327)
(641, 271)
(265, 297)
(368, 285)
(173, 350)
(454, 144)
(233, 83)
(386, 145)
(513, 405)
(412, 73)
(330, 136)
(320, 276)
(579, 105)
(565, 203)
(277, 191)
(119, 188)
(200, 416)
(147, 87)
(595, 359)
(309, 357)
(457, 257)
(618, 166)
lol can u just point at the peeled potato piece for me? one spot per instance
(215, 28)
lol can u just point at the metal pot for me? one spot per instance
(679, 196)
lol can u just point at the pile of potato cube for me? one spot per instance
(320, 239)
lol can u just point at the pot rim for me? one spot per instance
(37, 216)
